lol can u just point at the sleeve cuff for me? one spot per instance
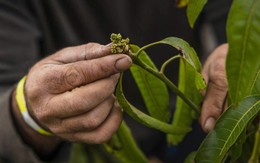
(12, 147)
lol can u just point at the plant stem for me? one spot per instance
(145, 47)
(256, 150)
(168, 61)
(163, 78)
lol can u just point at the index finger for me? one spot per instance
(213, 106)
(70, 76)
(81, 53)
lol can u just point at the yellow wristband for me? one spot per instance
(23, 109)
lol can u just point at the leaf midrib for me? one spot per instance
(147, 86)
(254, 81)
(227, 140)
(244, 47)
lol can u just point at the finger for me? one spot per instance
(81, 53)
(218, 53)
(103, 133)
(212, 106)
(89, 120)
(82, 99)
(70, 76)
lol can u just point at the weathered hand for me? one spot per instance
(70, 93)
(214, 74)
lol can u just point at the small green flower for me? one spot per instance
(119, 45)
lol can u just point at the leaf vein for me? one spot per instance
(244, 47)
(234, 128)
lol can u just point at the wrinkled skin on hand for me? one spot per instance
(70, 93)
(214, 74)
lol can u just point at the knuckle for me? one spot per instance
(74, 105)
(217, 107)
(90, 124)
(105, 69)
(92, 50)
(220, 81)
(73, 77)
(53, 81)
(66, 50)
(218, 76)
(91, 72)
(219, 65)
(101, 67)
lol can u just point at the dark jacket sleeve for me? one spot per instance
(12, 148)
(19, 50)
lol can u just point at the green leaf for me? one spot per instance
(243, 61)
(153, 90)
(191, 157)
(255, 88)
(194, 9)
(227, 130)
(237, 148)
(199, 82)
(184, 115)
(78, 154)
(124, 147)
(144, 118)
(190, 82)
(187, 52)
(182, 46)
(255, 155)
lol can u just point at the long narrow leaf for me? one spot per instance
(153, 90)
(185, 49)
(228, 128)
(144, 118)
(255, 88)
(190, 82)
(184, 115)
(191, 157)
(78, 154)
(189, 55)
(243, 34)
(127, 150)
(194, 9)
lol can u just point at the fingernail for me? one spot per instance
(209, 124)
(123, 63)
